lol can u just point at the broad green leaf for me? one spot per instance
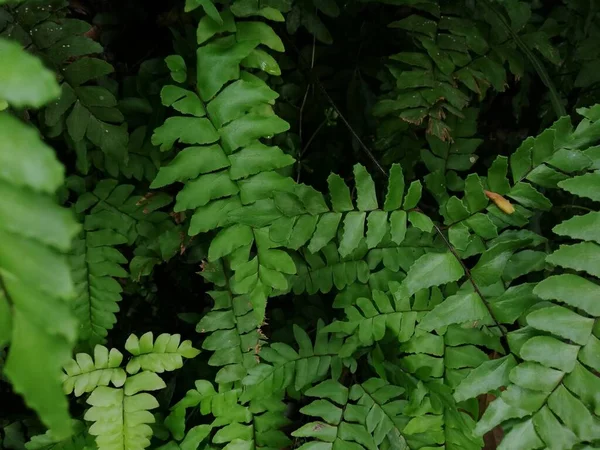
(24, 81)
(208, 7)
(189, 163)
(86, 69)
(522, 436)
(496, 179)
(586, 227)
(228, 240)
(237, 99)
(25, 159)
(584, 256)
(552, 432)
(261, 60)
(395, 192)
(204, 189)
(257, 158)
(489, 376)
(420, 221)
(398, 226)
(207, 27)
(413, 195)
(474, 195)
(340, 194)
(574, 414)
(529, 197)
(248, 128)
(182, 100)
(186, 130)
(562, 322)
(377, 227)
(218, 63)
(354, 231)
(587, 185)
(509, 306)
(534, 376)
(492, 262)
(178, 68)
(259, 32)
(431, 269)
(326, 230)
(458, 308)
(550, 352)
(571, 289)
(365, 189)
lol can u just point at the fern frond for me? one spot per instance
(557, 349)
(121, 416)
(35, 283)
(284, 366)
(84, 374)
(164, 354)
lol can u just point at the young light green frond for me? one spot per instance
(84, 373)
(121, 417)
(166, 353)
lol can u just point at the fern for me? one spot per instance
(35, 283)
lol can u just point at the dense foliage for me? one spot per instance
(295, 224)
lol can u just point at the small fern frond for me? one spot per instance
(121, 417)
(83, 374)
(164, 354)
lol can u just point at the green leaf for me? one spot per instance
(207, 27)
(584, 256)
(550, 352)
(431, 269)
(395, 192)
(189, 163)
(586, 227)
(207, 6)
(458, 308)
(398, 226)
(237, 99)
(354, 231)
(489, 376)
(421, 221)
(413, 195)
(340, 194)
(522, 436)
(178, 68)
(587, 185)
(562, 322)
(259, 32)
(365, 189)
(552, 431)
(247, 129)
(572, 290)
(377, 227)
(184, 101)
(204, 189)
(534, 376)
(228, 240)
(326, 230)
(529, 197)
(24, 81)
(496, 179)
(187, 130)
(218, 63)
